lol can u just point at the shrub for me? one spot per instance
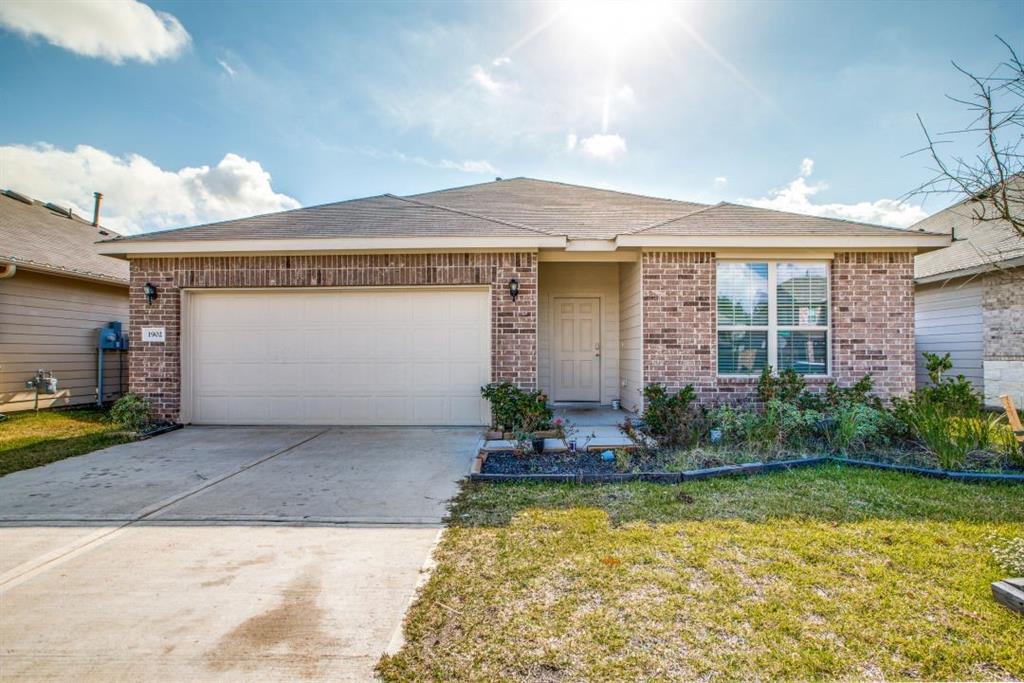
(513, 409)
(956, 393)
(855, 426)
(131, 411)
(672, 418)
(944, 434)
(787, 386)
(778, 424)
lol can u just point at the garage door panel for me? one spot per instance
(402, 356)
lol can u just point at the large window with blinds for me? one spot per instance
(773, 313)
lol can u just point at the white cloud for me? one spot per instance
(465, 166)
(480, 77)
(570, 142)
(604, 146)
(468, 166)
(138, 195)
(227, 68)
(114, 31)
(798, 197)
(720, 182)
(501, 61)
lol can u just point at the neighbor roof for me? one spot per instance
(518, 207)
(40, 238)
(978, 245)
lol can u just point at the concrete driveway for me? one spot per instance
(222, 553)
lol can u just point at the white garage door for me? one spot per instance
(344, 357)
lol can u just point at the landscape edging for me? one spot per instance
(734, 470)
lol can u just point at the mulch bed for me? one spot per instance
(503, 462)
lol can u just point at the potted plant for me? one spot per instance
(515, 412)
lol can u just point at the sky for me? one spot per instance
(190, 112)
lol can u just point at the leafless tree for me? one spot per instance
(994, 174)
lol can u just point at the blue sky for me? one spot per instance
(178, 111)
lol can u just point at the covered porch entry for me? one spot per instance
(589, 341)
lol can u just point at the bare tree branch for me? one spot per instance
(994, 177)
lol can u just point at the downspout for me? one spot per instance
(7, 270)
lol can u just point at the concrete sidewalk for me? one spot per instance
(222, 553)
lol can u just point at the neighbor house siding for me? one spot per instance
(872, 323)
(584, 280)
(49, 322)
(156, 368)
(948, 319)
(631, 353)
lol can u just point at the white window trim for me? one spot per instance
(773, 328)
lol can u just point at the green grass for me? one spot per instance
(32, 439)
(822, 573)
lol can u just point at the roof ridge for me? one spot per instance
(475, 215)
(673, 219)
(603, 189)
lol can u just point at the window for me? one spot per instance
(773, 314)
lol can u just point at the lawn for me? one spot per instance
(820, 573)
(32, 439)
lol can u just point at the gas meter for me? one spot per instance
(44, 382)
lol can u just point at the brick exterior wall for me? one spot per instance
(873, 320)
(1002, 314)
(872, 324)
(155, 369)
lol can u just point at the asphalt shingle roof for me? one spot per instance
(33, 235)
(517, 207)
(380, 216)
(977, 244)
(572, 210)
(736, 219)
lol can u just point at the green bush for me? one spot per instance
(947, 435)
(515, 410)
(957, 394)
(672, 419)
(855, 427)
(787, 386)
(131, 411)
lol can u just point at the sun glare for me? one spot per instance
(617, 23)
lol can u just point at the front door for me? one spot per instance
(577, 356)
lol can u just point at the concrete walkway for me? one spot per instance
(222, 553)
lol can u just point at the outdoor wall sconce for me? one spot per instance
(513, 288)
(149, 289)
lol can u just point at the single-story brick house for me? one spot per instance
(394, 310)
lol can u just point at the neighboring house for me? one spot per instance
(55, 294)
(970, 301)
(395, 310)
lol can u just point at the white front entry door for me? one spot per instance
(577, 356)
(338, 357)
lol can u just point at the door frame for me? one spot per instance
(555, 353)
(187, 313)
